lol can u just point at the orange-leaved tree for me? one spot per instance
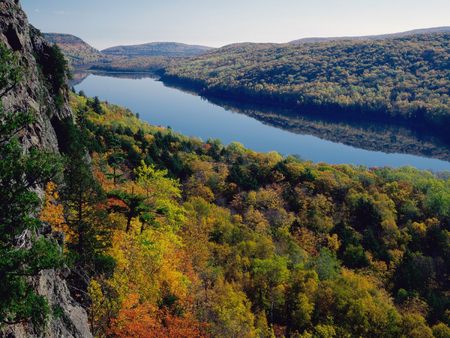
(143, 320)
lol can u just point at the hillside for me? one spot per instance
(152, 57)
(245, 244)
(372, 37)
(78, 52)
(137, 64)
(402, 80)
(111, 227)
(158, 49)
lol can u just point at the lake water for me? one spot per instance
(192, 115)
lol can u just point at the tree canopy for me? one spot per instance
(402, 79)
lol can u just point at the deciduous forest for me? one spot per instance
(156, 234)
(401, 79)
(185, 238)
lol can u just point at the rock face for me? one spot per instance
(35, 94)
(69, 319)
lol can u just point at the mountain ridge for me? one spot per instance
(70, 44)
(419, 31)
(147, 57)
(77, 51)
(165, 49)
(358, 78)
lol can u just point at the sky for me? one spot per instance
(106, 23)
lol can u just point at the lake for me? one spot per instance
(265, 130)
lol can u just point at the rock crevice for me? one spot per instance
(34, 94)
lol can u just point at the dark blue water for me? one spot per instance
(193, 116)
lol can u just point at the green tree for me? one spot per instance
(269, 279)
(115, 160)
(156, 183)
(55, 70)
(134, 205)
(81, 196)
(441, 330)
(96, 105)
(23, 252)
(229, 311)
(300, 299)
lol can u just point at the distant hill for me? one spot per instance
(160, 49)
(373, 37)
(77, 51)
(404, 79)
(81, 55)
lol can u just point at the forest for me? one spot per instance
(168, 236)
(179, 237)
(401, 79)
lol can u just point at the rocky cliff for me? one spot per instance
(37, 93)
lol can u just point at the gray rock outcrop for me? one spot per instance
(68, 318)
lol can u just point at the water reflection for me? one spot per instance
(172, 107)
(369, 136)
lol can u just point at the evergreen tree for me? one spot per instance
(96, 106)
(134, 205)
(23, 252)
(82, 196)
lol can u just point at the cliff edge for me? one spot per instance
(39, 93)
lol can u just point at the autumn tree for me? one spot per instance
(141, 320)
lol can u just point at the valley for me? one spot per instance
(375, 79)
(258, 190)
(262, 128)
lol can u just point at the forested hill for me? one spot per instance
(374, 37)
(78, 52)
(151, 57)
(404, 79)
(158, 49)
(144, 232)
(211, 240)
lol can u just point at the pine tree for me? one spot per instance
(82, 197)
(23, 252)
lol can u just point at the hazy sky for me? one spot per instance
(104, 23)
